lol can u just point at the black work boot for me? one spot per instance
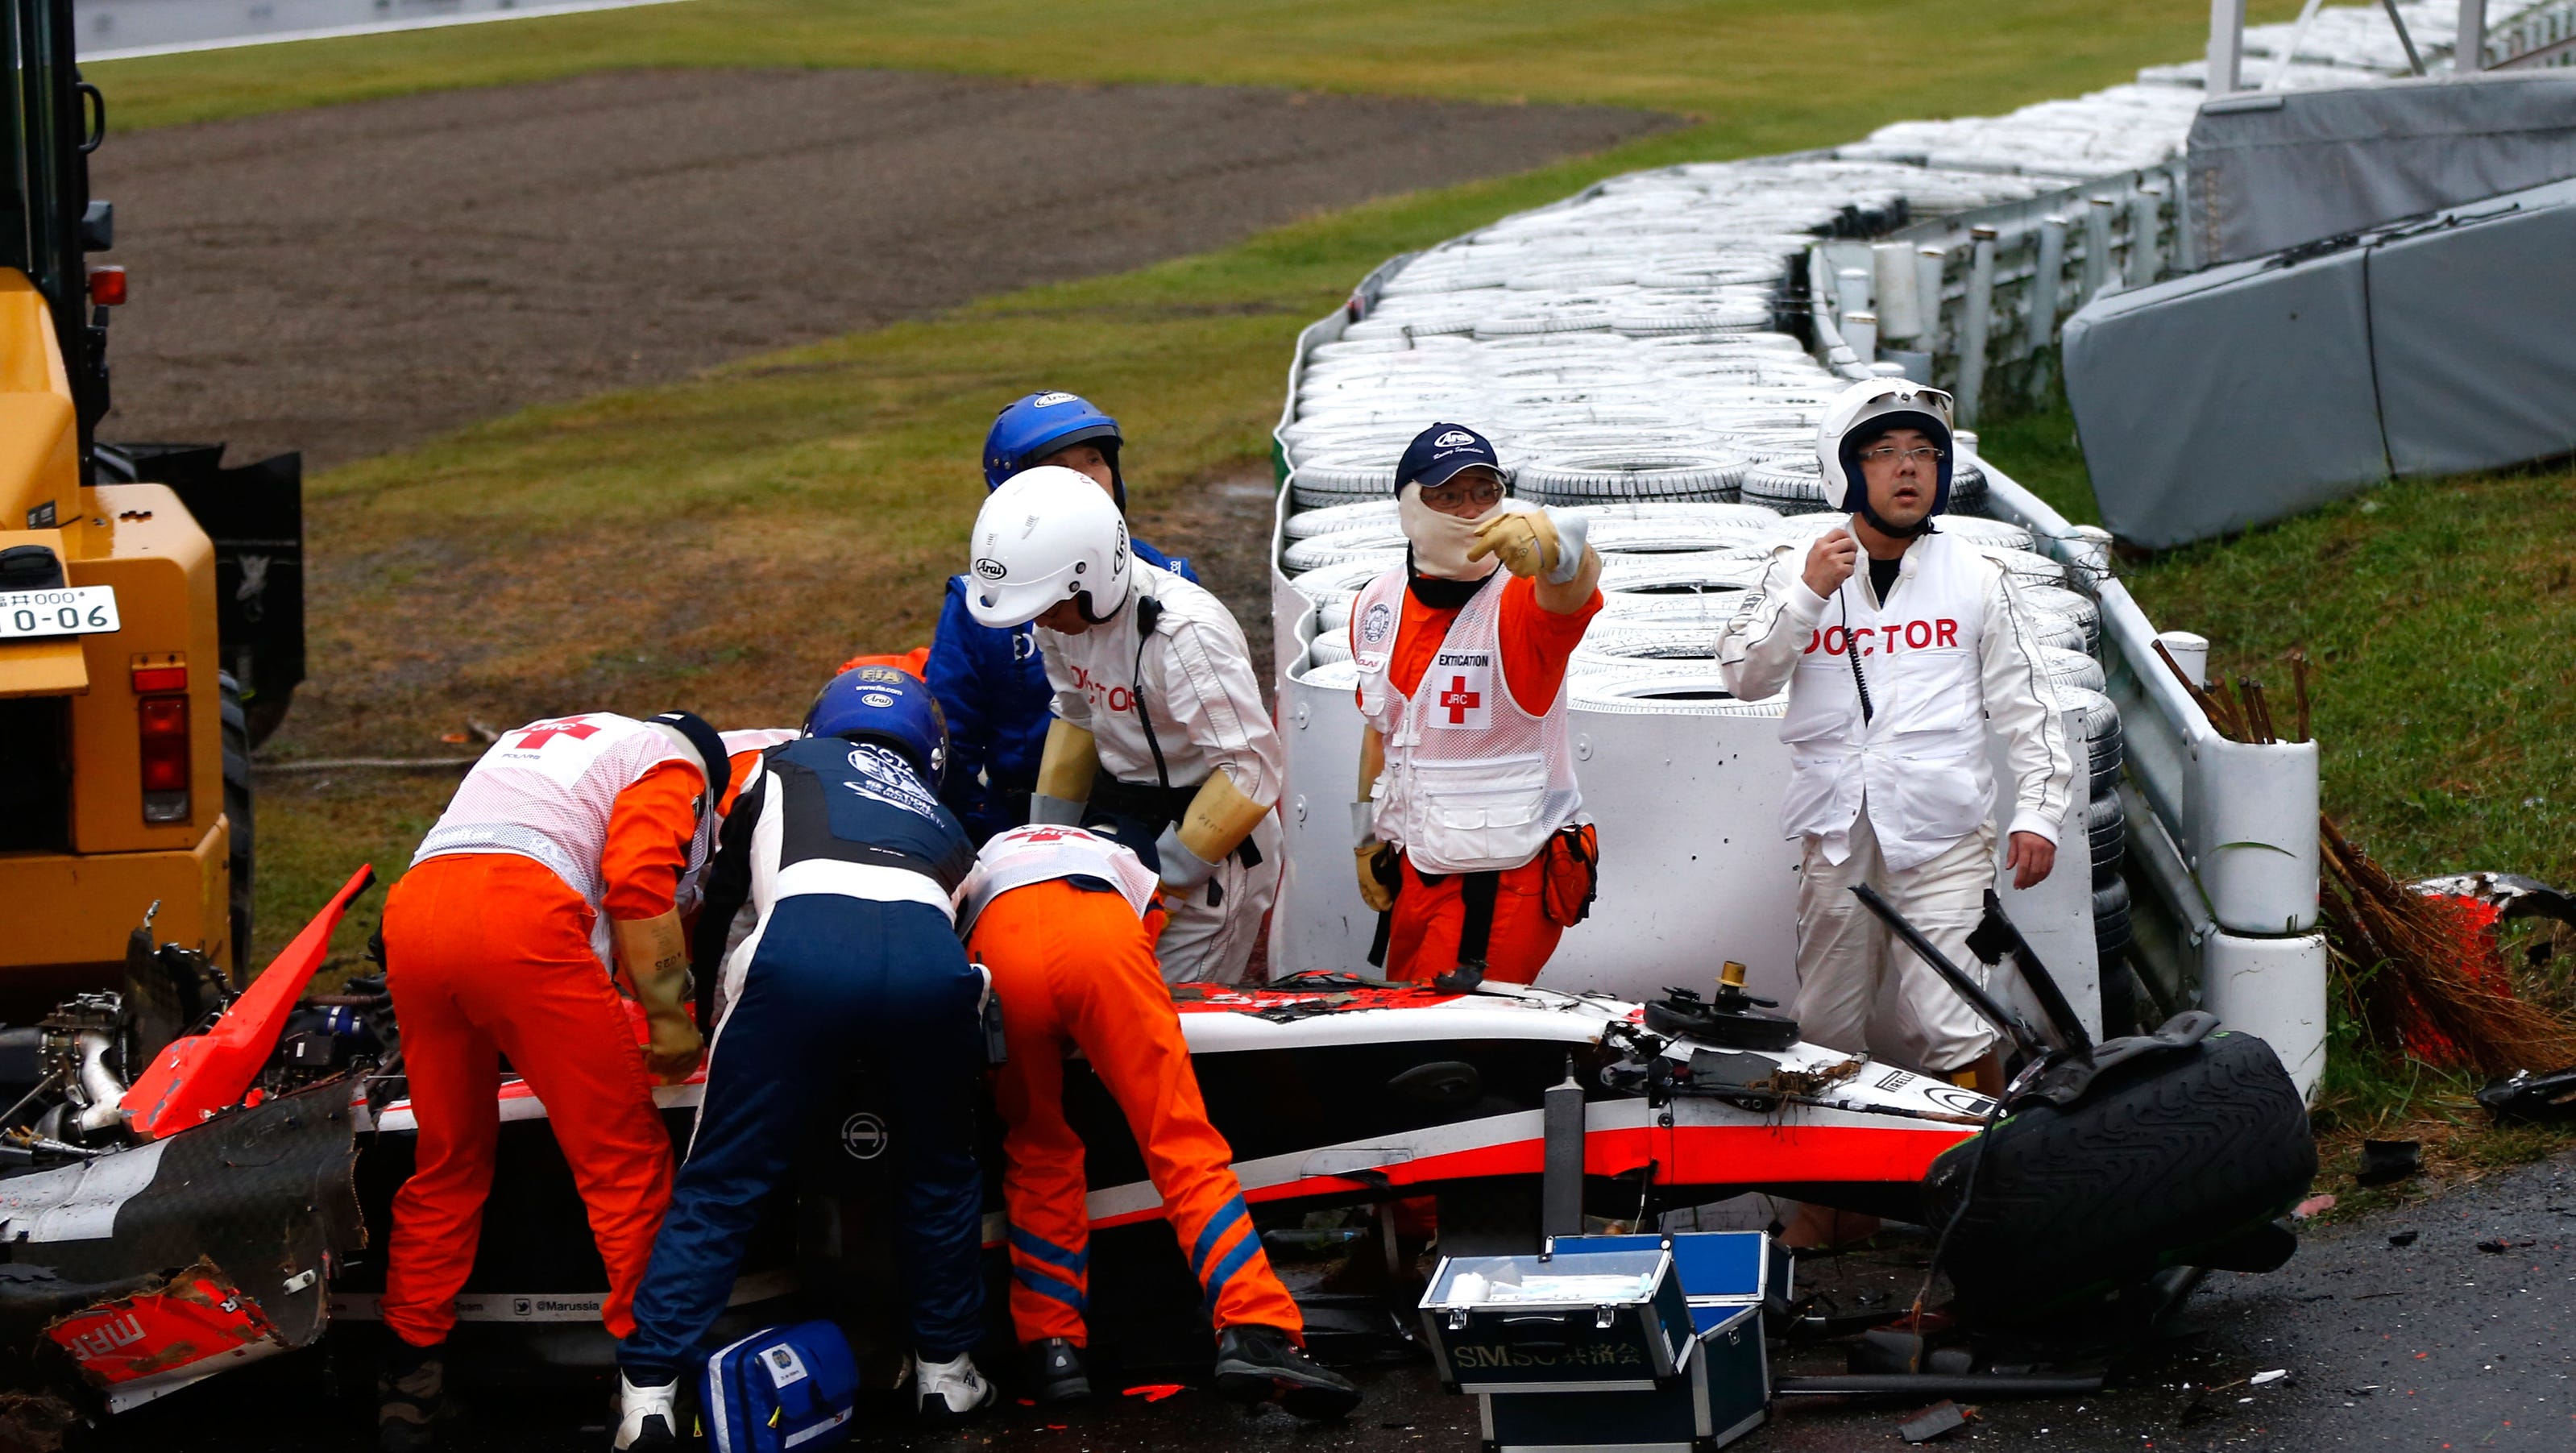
(1256, 1364)
(1056, 1372)
(411, 1398)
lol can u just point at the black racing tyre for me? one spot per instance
(2110, 935)
(2111, 899)
(2167, 1160)
(237, 807)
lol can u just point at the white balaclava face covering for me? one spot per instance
(1440, 540)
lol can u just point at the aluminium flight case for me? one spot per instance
(1533, 1398)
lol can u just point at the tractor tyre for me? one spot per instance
(2176, 1159)
(237, 808)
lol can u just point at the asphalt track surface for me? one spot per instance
(352, 279)
(2436, 1345)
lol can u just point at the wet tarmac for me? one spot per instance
(2456, 1340)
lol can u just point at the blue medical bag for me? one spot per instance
(780, 1388)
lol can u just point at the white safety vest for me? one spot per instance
(545, 791)
(1472, 782)
(1040, 853)
(1920, 762)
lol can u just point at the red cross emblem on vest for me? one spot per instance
(1459, 700)
(546, 731)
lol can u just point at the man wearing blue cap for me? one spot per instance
(990, 681)
(1471, 838)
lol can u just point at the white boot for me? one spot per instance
(648, 1418)
(951, 1389)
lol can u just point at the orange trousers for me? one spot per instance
(1077, 965)
(489, 954)
(1422, 941)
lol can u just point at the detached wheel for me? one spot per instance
(237, 807)
(2181, 1159)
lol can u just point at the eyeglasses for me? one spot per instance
(1448, 496)
(1889, 454)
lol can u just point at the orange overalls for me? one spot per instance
(489, 954)
(1075, 963)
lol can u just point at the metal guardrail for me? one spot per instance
(1971, 303)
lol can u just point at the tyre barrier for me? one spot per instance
(2106, 830)
(1788, 486)
(2111, 920)
(2070, 670)
(1710, 608)
(1330, 646)
(1333, 519)
(1682, 574)
(1656, 650)
(1382, 543)
(1632, 476)
(2178, 1158)
(1663, 693)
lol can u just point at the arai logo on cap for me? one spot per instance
(1453, 439)
(990, 568)
(1048, 401)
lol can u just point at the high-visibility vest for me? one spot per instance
(1472, 783)
(1042, 852)
(545, 791)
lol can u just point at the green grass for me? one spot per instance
(1769, 74)
(2434, 612)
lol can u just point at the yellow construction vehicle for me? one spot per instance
(127, 633)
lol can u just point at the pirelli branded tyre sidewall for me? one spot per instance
(2165, 1162)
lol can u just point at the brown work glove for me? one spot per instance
(654, 955)
(1377, 865)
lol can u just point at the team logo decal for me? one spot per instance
(863, 1136)
(1951, 1097)
(1377, 624)
(887, 778)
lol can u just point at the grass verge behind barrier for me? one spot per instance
(1774, 73)
(2434, 612)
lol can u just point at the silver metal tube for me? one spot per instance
(99, 1086)
(2146, 219)
(2047, 276)
(1973, 323)
(1930, 263)
(2226, 47)
(2097, 245)
(2469, 44)
(2298, 34)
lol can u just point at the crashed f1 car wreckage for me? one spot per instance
(230, 1202)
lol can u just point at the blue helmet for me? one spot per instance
(882, 704)
(1031, 428)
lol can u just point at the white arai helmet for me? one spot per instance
(1047, 534)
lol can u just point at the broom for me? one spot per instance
(2423, 972)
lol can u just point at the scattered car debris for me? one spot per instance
(2403, 1238)
(2523, 1098)
(2313, 1206)
(2264, 1379)
(2500, 1245)
(2386, 1162)
(1937, 1421)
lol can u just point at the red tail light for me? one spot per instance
(164, 724)
(107, 286)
